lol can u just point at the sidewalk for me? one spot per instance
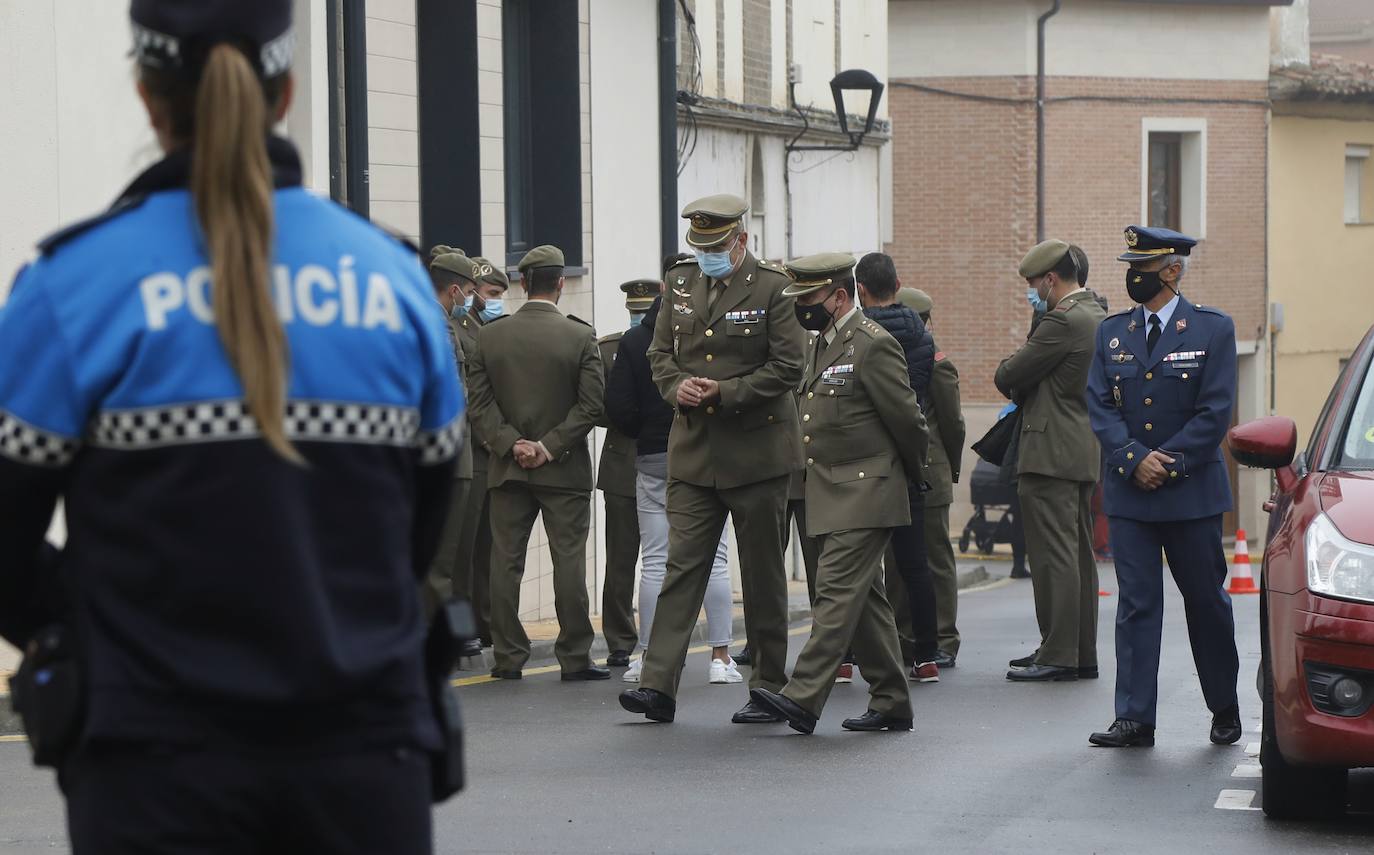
(543, 633)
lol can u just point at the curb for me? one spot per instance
(541, 652)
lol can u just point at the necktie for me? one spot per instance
(1153, 338)
(713, 292)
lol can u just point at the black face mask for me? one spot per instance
(1143, 285)
(815, 317)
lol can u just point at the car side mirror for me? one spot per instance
(1267, 443)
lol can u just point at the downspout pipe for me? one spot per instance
(1040, 119)
(667, 126)
(355, 104)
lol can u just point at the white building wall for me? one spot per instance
(1092, 38)
(393, 110)
(813, 48)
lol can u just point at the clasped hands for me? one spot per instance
(1150, 475)
(695, 391)
(529, 454)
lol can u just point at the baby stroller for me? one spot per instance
(989, 491)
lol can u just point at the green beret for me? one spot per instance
(541, 256)
(914, 299)
(490, 273)
(640, 293)
(443, 249)
(713, 219)
(1042, 258)
(457, 263)
(813, 272)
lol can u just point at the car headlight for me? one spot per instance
(1337, 566)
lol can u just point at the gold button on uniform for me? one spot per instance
(748, 330)
(710, 333)
(805, 439)
(806, 418)
(1149, 375)
(1185, 375)
(861, 474)
(770, 418)
(1149, 426)
(709, 357)
(1121, 470)
(832, 393)
(677, 327)
(710, 411)
(810, 461)
(1148, 401)
(810, 395)
(1173, 474)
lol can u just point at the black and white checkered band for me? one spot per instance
(440, 446)
(24, 443)
(213, 421)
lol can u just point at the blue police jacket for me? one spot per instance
(215, 589)
(1177, 400)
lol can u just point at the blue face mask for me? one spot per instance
(467, 304)
(492, 310)
(638, 318)
(1037, 302)
(716, 265)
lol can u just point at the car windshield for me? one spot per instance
(1357, 451)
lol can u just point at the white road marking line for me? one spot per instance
(1252, 749)
(1248, 770)
(1235, 800)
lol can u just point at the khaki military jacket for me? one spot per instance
(749, 342)
(467, 327)
(537, 375)
(946, 419)
(862, 431)
(616, 474)
(1048, 378)
(464, 468)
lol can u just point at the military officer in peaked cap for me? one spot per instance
(1058, 465)
(537, 390)
(1162, 389)
(727, 355)
(864, 438)
(615, 478)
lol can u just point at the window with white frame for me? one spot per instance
(1357, 184)
(1173, 175)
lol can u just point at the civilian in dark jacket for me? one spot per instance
(638, 410)
(878, 284)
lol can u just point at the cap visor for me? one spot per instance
(801, 289)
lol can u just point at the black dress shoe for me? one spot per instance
(507, 673)
(797, 718)
(1226, 727)
(471, 647)
(1043, 674)
(618, 659)
(591, 672)
(752, 713)
(943, 660)
(1125, 733)
(1020, 573)
(743, 657)
(1087, 672)
(650, 703)
(871, 721)
(485, 641)
(1024, 661)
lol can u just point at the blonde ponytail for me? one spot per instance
(231, 184)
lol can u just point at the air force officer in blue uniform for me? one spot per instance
(1160, 397)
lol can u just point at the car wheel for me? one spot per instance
(1291, 791)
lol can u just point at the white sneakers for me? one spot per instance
(725, 672)
(721, 672)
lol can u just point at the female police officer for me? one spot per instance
(246, 400)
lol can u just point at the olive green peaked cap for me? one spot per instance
(812, 272)
(545, 255)
(1042, 258)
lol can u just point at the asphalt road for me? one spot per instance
(991, 767)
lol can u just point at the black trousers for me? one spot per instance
(909, 548)
(162, 799)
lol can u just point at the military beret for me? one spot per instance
(176, 37)
(544, 255)
(490, 273)
(443, 249)
(640, 293)
(1145, 243)
(914, 299)
(456, 263)
(713, 219)
(813, 272)
(1042, 258)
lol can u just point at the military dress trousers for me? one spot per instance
(615, 478)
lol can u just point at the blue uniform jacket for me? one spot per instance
(215, 589)
(1178, 400)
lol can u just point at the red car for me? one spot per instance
(1317, 606)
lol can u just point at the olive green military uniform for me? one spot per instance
(946, 419)
(731, 457)
(536, 375)
(796, 504)
(864, 435)
(615, 478)
(1057, 469)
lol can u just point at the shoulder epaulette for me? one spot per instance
(873, 330)
(1210, 309)
(579, 320)
(54, 241)
(607, 339)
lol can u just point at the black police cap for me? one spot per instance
(176, 35)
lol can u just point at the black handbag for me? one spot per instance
(999, 441)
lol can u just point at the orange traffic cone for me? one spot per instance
(1242, 582)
